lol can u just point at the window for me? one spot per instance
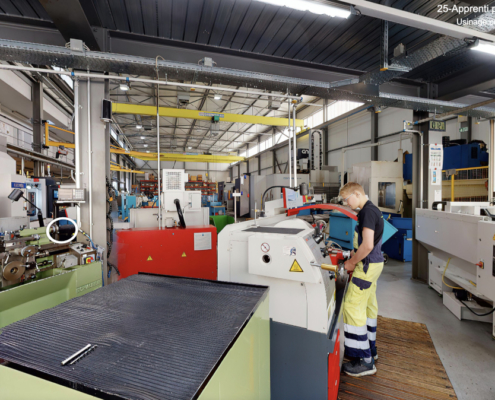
(341, 107)
(318, 118)
(262, 146)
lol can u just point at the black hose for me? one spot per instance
(179, 211)
(264, 193)
(475, 313)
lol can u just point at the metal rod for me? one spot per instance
(288, 142)
(76, 354)
(295, 143)
(90, 164)
(77, 150)
(158, 154)
(151, 81)
(22, 166)
(31, 157)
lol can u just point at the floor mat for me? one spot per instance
(408, 367)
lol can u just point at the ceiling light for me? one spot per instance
(484, 47)
(189, 147)
(218, 97)
(139, 126)
(147, 151)
(125, 86)
(142, 137)
(311, 6)
(145, 145)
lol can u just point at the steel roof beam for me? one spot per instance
(70, 19)
(406, 18)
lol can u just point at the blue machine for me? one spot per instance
(216, 208)
(399, 246)
(454, 157)
(342, 230)
(465, 156)
(127, 202)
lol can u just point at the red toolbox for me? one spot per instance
(190, 252)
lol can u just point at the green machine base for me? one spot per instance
(51, 288)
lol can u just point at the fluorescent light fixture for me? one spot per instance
(485, 47)
(311, 6)
(147, 151)
(218, 97)
(145, 145)
(189, 147)
(124, 87)
(139, 126)
(142, 137)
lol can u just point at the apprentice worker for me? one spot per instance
(366, 264)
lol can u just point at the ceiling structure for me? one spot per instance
(245, 35)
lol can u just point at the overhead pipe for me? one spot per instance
(295, 144)
(290, 154)
(158, 153)
(90, 163)
(149, 81)
(77, 150)
(32, 157)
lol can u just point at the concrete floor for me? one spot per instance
(466, 348)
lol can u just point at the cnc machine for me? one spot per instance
(284, 253)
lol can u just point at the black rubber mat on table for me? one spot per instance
(158, 337)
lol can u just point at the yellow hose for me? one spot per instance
(443, 275)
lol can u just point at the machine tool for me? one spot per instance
(383, 182)
(461, 241)
(307, 286)
(24, 253)
(186, 240)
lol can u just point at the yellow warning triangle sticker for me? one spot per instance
(149, 259)
(184, 254)
(296, 267)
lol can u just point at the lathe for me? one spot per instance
(37, 273)
(307, 289)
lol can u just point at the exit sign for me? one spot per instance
(438, 126)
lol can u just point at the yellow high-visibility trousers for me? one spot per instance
(361, 310)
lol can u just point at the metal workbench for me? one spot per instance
(158, 337)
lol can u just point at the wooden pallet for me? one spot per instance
(408, 367)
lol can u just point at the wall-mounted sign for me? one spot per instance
(438, 126)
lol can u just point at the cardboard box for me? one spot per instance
(192, 178)
(146, 176)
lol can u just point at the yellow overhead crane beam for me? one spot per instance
(177, 156)
(116, 167)
(147, 156)
(136, 109)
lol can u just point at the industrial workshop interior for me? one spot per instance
(247, 199)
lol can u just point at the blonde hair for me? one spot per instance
(350, 188)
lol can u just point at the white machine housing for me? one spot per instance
(382, 182)
(302, 299)
(467, 238)
(8, 177)
(173, 188)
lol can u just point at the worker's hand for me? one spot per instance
(352, 253)
(349, 266)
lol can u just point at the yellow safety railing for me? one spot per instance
(465, 184)
(148, 156)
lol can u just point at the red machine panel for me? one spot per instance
(189, 252)
(334, 370)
